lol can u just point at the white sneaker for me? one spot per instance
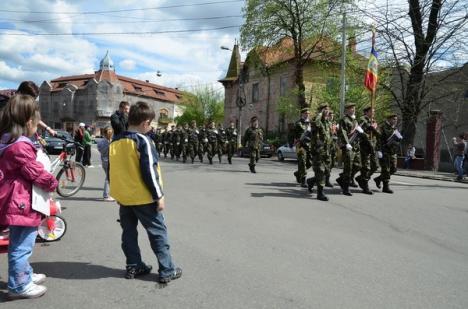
(33, 291)
(38, 278)
(108, 199)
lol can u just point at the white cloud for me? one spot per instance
(128, 64)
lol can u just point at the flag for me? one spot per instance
(372, 73)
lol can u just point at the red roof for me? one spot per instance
(130, 85)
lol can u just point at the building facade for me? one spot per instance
(92, 98)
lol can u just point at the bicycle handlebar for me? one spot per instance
(64, 138)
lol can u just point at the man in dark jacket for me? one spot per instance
(119, 119)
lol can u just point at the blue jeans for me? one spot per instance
(105, 166)
(153, 222)
(20, 248)
(458, 163)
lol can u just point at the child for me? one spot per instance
(19, 170)
(103, 147)
(135, 183)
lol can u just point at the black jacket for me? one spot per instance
(119, 122)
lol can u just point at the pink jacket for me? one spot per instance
(19, 170)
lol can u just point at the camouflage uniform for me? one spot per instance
(176, 138)
(348, 135)
(203, 143)
(253, 138)
(388, 144)
(302, 150)
(222, 141)
(212, 146)
(194, 143)
(184, 142)
(158, 141)
(231, 136)
(368, 159)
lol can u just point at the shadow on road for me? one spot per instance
(91, 189)
(83, 199)
(76, 270)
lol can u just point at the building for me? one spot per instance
(268, 74)
(92, 98)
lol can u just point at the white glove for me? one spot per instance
(398, 134)
(359, 129)
(379, 154)
(349, 147)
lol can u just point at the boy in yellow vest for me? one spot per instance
(136, 184)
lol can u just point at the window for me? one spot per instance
(255, 92)
(138, 89)
(159, 93)
(283, 85)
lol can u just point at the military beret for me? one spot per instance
(253, 118)
(305, 110)
(349, 105)
(322, 106)
(391, 115)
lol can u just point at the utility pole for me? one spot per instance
(343, 62)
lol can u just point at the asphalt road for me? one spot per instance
(260, 241)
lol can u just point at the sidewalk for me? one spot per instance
(429, 175)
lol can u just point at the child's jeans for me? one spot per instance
(153, 222)
(105, 166)
(458, 164)
(20, 248)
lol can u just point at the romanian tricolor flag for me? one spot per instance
(372, 74)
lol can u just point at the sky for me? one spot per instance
(184, 60)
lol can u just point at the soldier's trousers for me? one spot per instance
(368, 164)
(351, 164)
(202, 149)
(184, 150)
(221, 150)
(254, 155)
(321, 164)
(193, 149)
(166, 149)
(231, 149)
(388, 166)
(211, 149)
(303, 162)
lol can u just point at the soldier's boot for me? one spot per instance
(252, 168)
(310, 184)
(219, 158)
(378, 181)
(346, 190)
(365, 188)
(320, 195)
(230, 160)
(360, 182)
(386, 188)
(328, 184)
(339, 181)
(296, 174)
(303, 182)
(201, 159)
(352, 183)
(211, 160)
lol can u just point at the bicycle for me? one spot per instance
(72, 174)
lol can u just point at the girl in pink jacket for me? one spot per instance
(19, 170)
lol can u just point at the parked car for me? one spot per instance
(54, 145)
(286, 152)
(266, 150)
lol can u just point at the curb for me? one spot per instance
(433, 177)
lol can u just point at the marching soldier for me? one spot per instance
(158, 141)
(184, 140)
(252, 140)
(302, 147)
(176, 136)
(168, 148)
(320, 146)
(193, 141)
(203, 139)
(222, 141)
(334, 129)
(231, 136)
(212, 136)
(367, 146)
(388, 145)
(348, 136)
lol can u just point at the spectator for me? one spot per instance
(459, 151)
(30, 88)
(103, 147)
(410, 156)
(87, 141)
(119, 119)
(19, 170)
(135, 182)
(79, 135)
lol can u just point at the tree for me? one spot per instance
(306, 22)
(418, 40)
(204, 103)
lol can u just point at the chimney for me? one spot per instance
(147, 81)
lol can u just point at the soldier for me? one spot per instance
(334, 129)
(302, 147)
(231, 136)
(176, 136)
(388, 144)
(193, 141)
(320, 145)
(212, 136)
(158, 141)
(348, 136)
(169, 148)
(184, 139)
(203, 142)
(222, 141)
(367, 146)
(253, 138)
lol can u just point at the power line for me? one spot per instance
(123, 10)
(115, 33)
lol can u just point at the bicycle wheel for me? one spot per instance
(70, 178)
(52, 228)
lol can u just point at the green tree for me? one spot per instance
(306, 22)
(204, 103)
